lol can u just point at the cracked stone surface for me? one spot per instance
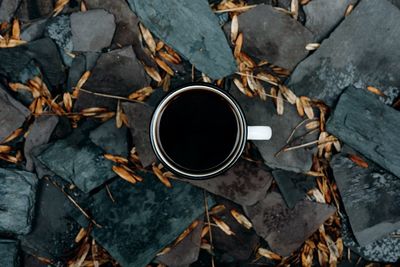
(9, 250)
(353, 56)
(192, 29)
(17, 201)
(370, 127)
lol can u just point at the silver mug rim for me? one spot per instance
(236, 152)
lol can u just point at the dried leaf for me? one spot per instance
(16, 30)
(217, 209)
(279, 103)
(288, 94)
(305, 101)
(312, 46)
(294, 8)
(268, 254)
(124, 174)
(169, 57)
(59, 6)
(358, 160)
(241, 219)
(153, 73)
(141, 93)
(223, 226)
(11, 43)
(5, 149)
(241, 87)
(166, 83)
(148, 38)
(248, 61)
(118, 116)
(269, 78)
(83, 6)
(339, 245)
(164, 251)
(105, 116)
(205, 78)
(81, 234)
(83, 252)
(117, 159)
(204, 231)
(187, 231)
(13, 135)
(9, 158)
(234, 28)
(337, 145)
(164, 66)
(159, 45)
(19, 86)
(67, 99)
(312, 125)
(299, 106)
(238, 45)
(80, 83)
(173, 53)
(375, 91)
(161, 176)
(349, 9)
(319, 197)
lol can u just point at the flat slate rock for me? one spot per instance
(245, 183)
(293, 186)
(192, 29)
(7, 9)
(111, 139)
(117, 73)
(12, 114)
(286, 229)
(324, 15)
(92, 30)
(259, 112)
(17, 201)
(33, 9)
(275, 36)
(367, 125)
(9, 250)
(185, 252)
(144, 218)
(39, 134)
(53, 232)
(362, 51)
(81, 63)
(34, 30)
(370, 197)
(139, 118)
(79, 160)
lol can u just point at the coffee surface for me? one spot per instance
(198, 130)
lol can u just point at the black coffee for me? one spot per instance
(198, 130)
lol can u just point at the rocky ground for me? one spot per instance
(80, 185)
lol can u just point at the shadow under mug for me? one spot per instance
(199, 131)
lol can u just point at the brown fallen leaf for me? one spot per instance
(268, 254)
(164, 66)
(118, 116)
(217, 209)
(153, 73)
(375, 91)
(294, 9)
(148, 38)
(82, 254)
(11, 43)
(234, 28)
(13, 135)
(288, 94)
(312, 125)
(160, 45)
(279, 103)
(16, 30)
(204, 231)
(124, 174)
(305, 101)
(81, 234)
(269, 78)
(5, 149)
(241, 219)
(238, 45)
(59, 6)
(161, 176)
(185, 233)
(168, 57)
(349, 9)
(9, 158)
(67, 99)
(312, 46)
(81, 82)
(358, 160)
(242, 88)
(299, 106)
(116, 159)
(223, 226)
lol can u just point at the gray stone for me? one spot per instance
(81, 63)
(144, 218)
(260, 112)
(286, 229)
(39, 134)
(395, 2)
(34, 30)
(367, 125)
(370, 198)
(12, 114)
(53, 232)
(92, 30)
(116, 73)
(276, 37)
(139, 117)
(33, 9)
(7, 9)
(9, 253)
(185, 252)
(324, 15)
(111, 139)
(191, 28)
(79, 160)
(362, 51)
(245, 183)
(293, 186)
(17, 201)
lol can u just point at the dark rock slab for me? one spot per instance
(293, 186)
(12, 114)
(144, 219)
(92, 30)
(33, 9)
(79, 160)
(80, 64)
(275, 37)
(34, 30)
(362, 51)
(191, 28)
(17, 201)
(7, 9)
(370, 197)
(324, 15)
(185, 252)
(116, 73)
(395, 2)
(286, 229)
(260, 112)
(111, 139)
(139, 117)
(53, 231)
(39, 134)
(367, 125)
(245, 183)
(9, 253)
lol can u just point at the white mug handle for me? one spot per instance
(259, 133)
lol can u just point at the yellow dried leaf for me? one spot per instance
(173, 53)
(105, 116)
(241, 87)
(93, 110)
(19, 86)
(248, 61)
(288, 94)
(238, 45)
(375, 91)
(13, 135)
(358, 160)
(234, 28)
(337, 145)
(299, 106)
(161, 176)
(241, 219)
(117, 159)
(339, 245)
(124, 174)
(217, 209)
(279, 103)
(187, 231)
(5, 149)
(312, 125)
(16, 30)
(319, 197)
(144, 92)
(166, 83)
(268, 254)
(164, 251)
(59, 6)
(168, 57)
(67, 99)
(83, 252)
(266, 77)
(294, 9)
(153, 73)
(118, 116)
(9, 158)
(148, 38)
(204, 231)
(159, 45)
(80, 83)
(349, 9)
(312, 46)
(164, 66)
(81, 234)
(222, 225)
(305, 101)
(83, 6)
(10, 43)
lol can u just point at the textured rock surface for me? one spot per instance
(145, 217)
(353, 56)
(92, 30)
(285, 229)
(34, 30)
(12, 114)
(367, 125)
(139, 117)
(191, 28)
(33, 9)
(17, 201)
(39, 134)
(324, 15)
(117, 73)
(9, 253)
(370, 197)
(260, 112)
(245, 183)
(271, 35)
(293, 186)
(7, 9)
